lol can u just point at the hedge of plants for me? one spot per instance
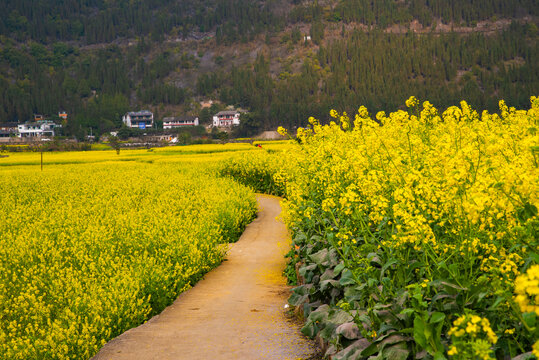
(415, 234)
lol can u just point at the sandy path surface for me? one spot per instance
(235, 312)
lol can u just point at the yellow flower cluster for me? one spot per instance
(472, 325)
(412, 102)
(536, 349)
(527, 290)
(472, 337)
(456, 174)
(96, 244)
(452, 192)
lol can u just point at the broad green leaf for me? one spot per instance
(530, 319)
(296, 299)
(419, 332)
(337, 270)
(347, 278)
(328, 283)
(320, 314)
(387, 265)
(320, 257)
(339, 317)
(349, 330)
(437, 317)
(310, 329)
(396, 352)
(327, 275)
(328, 332)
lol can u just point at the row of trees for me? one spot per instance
(382, 70)
(97, 21)
(383, 13)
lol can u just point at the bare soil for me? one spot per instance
(236, 312)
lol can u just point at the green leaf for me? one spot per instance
(374, 260)
(339, 317)
(497, 302)
(419, 332)
(319, 257)
(526, 212)
(324, 284)
(327, 275)
(303, 270)
(396, 352)
(372, 283)
(354, 293)
(320, 314)
(406, 313)
(338, 269)
(333, 258)
(302, 289)
(347, 278)
(387, 265)
(437, 317)
(438, 337)
(439, 356)
(328, 333)
(353, 351)
(310, 329)
(349, 330)
(370, 350)
(534, 257)
(393, 339)
(296, 299)
(530, 319)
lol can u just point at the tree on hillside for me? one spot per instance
(250, 125)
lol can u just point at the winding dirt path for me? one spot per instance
(236, 312)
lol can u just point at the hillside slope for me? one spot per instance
(98, 59)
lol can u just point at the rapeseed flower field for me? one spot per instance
(415, 233)
(96, 243)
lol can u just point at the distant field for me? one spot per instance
(160, 154)
(97, 242)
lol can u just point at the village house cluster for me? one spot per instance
(144, 119)
(39, 128)
(43, 129)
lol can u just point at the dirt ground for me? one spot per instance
(236, 312)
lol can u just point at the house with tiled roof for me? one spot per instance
(138, 119)
(179, 122)
(226, 118)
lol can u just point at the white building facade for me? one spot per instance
(138, 119)
(42, 128)
(179, 122)
(226, 118)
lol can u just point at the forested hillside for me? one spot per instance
(97, 59)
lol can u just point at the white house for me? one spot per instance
(37, 129)
(179, 122)
(7, 131)
(226, 118)
(139, 120)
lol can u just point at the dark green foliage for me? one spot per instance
(101, 114)
(163, 94)
(382, 70)
(95, 21)
(388, 12)
(250, 125)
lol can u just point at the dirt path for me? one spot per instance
(235, 312)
